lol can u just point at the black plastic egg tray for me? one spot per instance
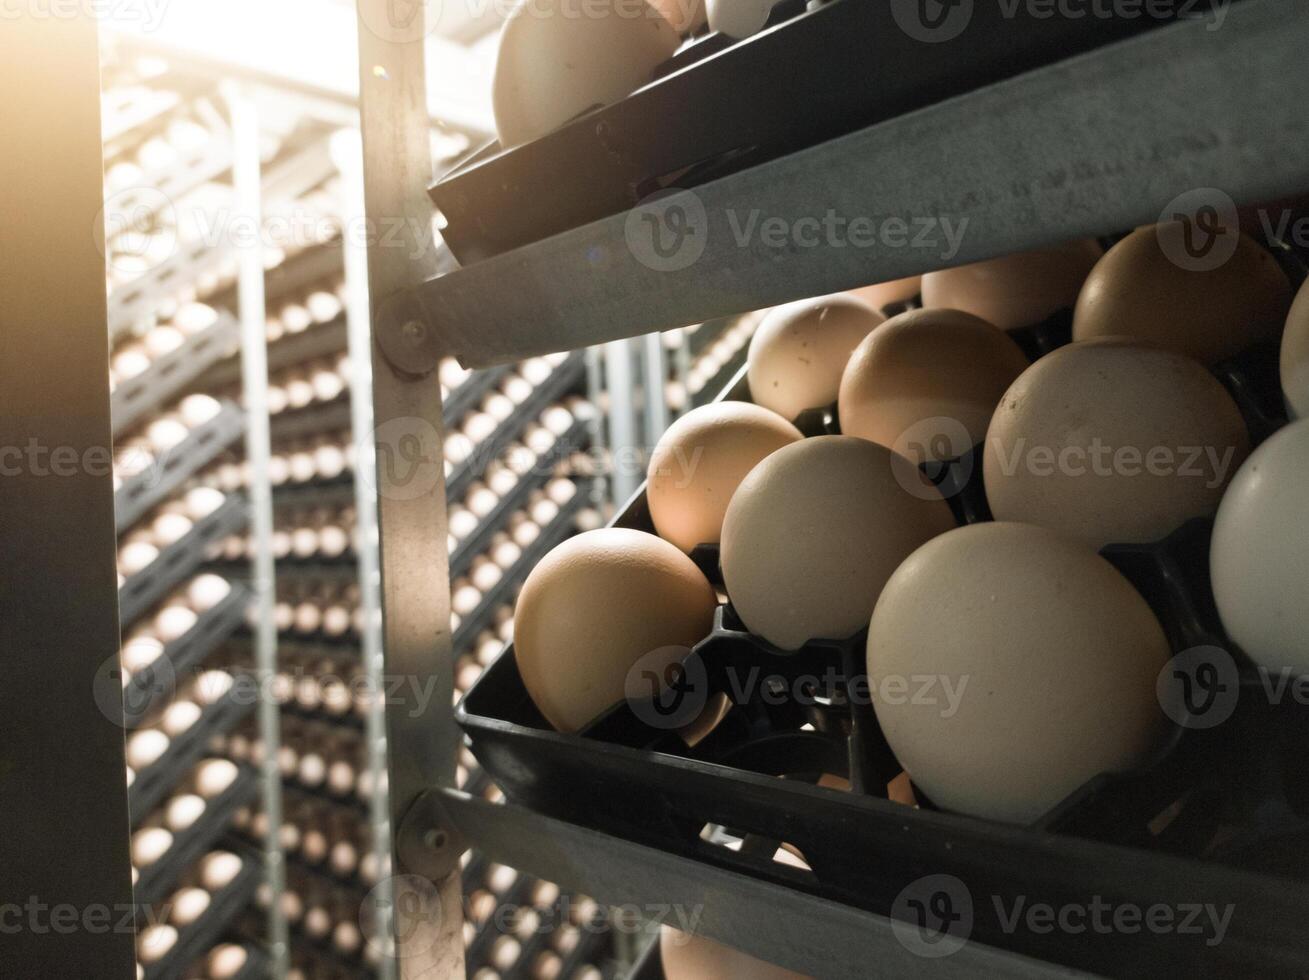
(1216, 815)
(719, 106)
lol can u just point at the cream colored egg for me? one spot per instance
(198, 409)
(169, 528)
(165, 434)
(203, 501)
(188, 905)
(174, 622)
(815, 530)
(1259, 560)
(797, 355)
(885, 293)
(555, 62)
(738, 18)
(1112, 443)
(136, 556)
(178, 717)
(193, 318)
(595, 606)
(149, 845)
(155, 942)
(689, 957)
(162, 340)
(140, 652)
(699, 462)
(1141, 291)
(926, 383)
(183, 811)
(1044, 662)
(1295, 356)
(1018, 290)
(219, 869)
(214, 776)
(145, 747)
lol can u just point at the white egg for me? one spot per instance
(145, 747)
(174, 622)
(214, 776)
(198, 409)
(1259, 559)
(170, 528)
(149, 845)
(183, 811)
(207, 591)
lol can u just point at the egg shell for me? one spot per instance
(800, 350)
(689, 957)
(1052, 657)
(925, 383)
(155, 941)
(183, 811)
(555, 62)
(596, 605)
(188, 905)
(1295, 356)
(214, 776)
(738, 18)
(1259, 556)
(699, 462)
(816, 529)
(149, 845)
(1112, 443)
(1138, 291)
(218, 870)
(1018, 290)
(145, 747)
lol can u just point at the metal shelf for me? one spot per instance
(159, 481)
(135, 303)
(153, 687)
(168, 375)
(199, 937)
(154, 782)
(158, 880)
(180, 559)
(1085, 146)
(477, 542)
(174, 182)
(320, 340)
(563, 379)
(559, 529)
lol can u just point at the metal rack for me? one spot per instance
(1100, 141)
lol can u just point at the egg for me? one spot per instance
(174, 622)
(1139, 291)
(1259, 558)
(183, 811)
(145, 747)
(554, 62)
(1112, 443)
(188, 905)
(1043, 661)
(883, 294)
(1295, 356)
(198, 409)
(815, 530)
(149, 845)
(214, 776)
(699, 462)
(689, 957)
(154, 942)
(1018, 290)
(926, 383)
(797, 355)
(738, 18)
(179, 716)
(596, 605)
(219, 869)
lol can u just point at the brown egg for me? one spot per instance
(700, 461)
(1018, 290)
(925, 383)
(799, 351)
(1042, 660)
(1112, 443)
(690, 957)
(595, 606)
(684, 15)
(1295, 356)
(815, 530)
(1139, 290)
(885, 293)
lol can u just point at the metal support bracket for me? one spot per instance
(428, 842)
(404, 337)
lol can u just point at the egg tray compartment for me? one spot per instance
(779, 91)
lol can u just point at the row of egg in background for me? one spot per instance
(825, 536)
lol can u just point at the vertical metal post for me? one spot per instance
(414, 561)
(63, 794)
(254, 374)
(347, 152)
(656, 376)
(622, 420)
